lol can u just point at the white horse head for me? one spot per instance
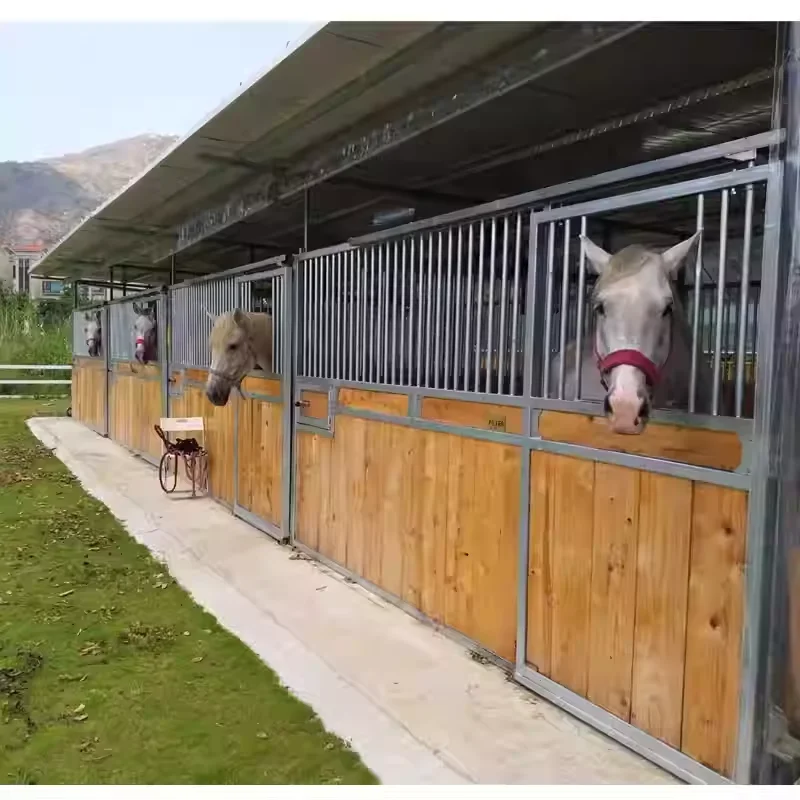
(145, 333)
(634, 305)
(92, 332)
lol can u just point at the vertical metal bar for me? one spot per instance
(372, 315)
(457, 332)
(562, 334)
(516, 301)
(448, 309)
(502, 338)
(363, 301)
(479, 307)
(379, 330)
(437, 360)
(490, 315)
(317, 319)
(411, 287)
(723, 257)
(468, 321)
(428, 312)
(420, 310)
(741, 349)
(698, 281)
(395, 270)
(337, 301)
(548, 309)
(386, 317)
(580, 312)
(403, 373)
(358, 374)
(530, 365)
(351, 305)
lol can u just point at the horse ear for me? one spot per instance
(137, 309)
(242, 320)
(598, 258)
(673, 258)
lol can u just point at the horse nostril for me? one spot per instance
(644, 409)
(607, 406)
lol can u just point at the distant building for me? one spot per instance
(16, 263)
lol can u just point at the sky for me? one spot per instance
(65, 87)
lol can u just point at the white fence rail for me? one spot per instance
(35, 368)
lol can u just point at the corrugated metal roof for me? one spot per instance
(294, 105)
(694, 84)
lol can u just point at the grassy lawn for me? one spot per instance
(109, 673)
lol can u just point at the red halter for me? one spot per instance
(630, 358)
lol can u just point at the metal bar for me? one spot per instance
(385, 317)
(501, 337)
(359, 355)
(479, 305)
(580, 312)
(351, 309)
(274, 261)
(548, 310)
(404, 375)
(549, 193)
(420, 310)
(658, 194)
(379, 328)
(698, 281)
(338, 298)
(411, 282)
(372, 344)
(532, 279)
(741, 349)
(448, 309)
(723, 258)
(428, 313)
(395, 271)
(468, 324)
(437, 358)
(490, 316)
(562, 335)
(457, 332)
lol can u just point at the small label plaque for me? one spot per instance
(497, 423)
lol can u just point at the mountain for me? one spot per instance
(40, 201)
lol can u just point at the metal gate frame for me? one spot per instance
(751, 432)
(284, 274)
(102, 308)
(160, 295)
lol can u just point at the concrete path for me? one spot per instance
(412, 702)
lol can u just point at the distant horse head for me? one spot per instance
(637, 312)
(92, 332)
(240, 341)
(145, 332)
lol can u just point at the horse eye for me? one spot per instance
(232, 346)
(667, 311)
(600, 309)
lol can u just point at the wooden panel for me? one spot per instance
(260, 458)
(662, 575)
(317, 407)
(560, 568)
(714, 628)
(616, 527)
(489, 416)
(219, 437)
(540, 565)
(266, 386)
(89, 392)
(381, 402)
(704, 448)
(381, 498)
(196, 375)
(136, 406)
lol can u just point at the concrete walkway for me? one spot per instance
(412, 702)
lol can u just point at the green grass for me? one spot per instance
(34, 334)
(109, 673)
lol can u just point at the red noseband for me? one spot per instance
(629, 358)
(139, 340)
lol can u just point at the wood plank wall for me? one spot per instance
(260, 465)
(260, 441)
(89, 391)
(432, 518)
(636, 596)
(136, 406)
